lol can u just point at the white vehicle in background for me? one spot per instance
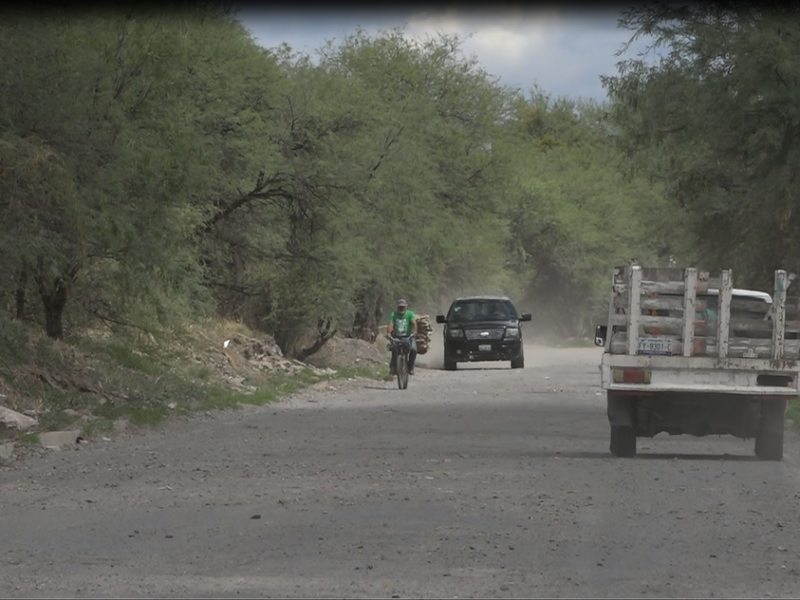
(686, 353)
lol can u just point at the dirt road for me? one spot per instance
(486, 482)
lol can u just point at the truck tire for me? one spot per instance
(623, 441)
(449, 362)
(769, 439)
(519, 361)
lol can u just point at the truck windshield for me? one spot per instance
(482, 310)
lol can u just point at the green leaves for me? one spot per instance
(716, 120)
(166, 165)
(573, 215)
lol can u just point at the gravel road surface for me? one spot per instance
(485, 482)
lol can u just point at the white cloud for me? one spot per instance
(563, 52)
(497, 41)
(509, 35)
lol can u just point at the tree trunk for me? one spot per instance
(369, 311)
(324, 334)
(22, 282)
(53, 292)
(54, 299)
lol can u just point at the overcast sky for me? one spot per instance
(563, 51)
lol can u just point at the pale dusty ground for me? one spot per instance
(486, 482)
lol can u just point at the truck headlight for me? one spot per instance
(512, 332)
(456, 334)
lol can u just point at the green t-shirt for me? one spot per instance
(402, 324)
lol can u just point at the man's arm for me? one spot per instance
(390, 326)
(414, 325)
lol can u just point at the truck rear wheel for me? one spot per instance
(623, 441)
(769, 439)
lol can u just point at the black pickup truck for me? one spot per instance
(483, 328)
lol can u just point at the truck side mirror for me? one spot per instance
(525, 317)
(440, 319)
(600, 333)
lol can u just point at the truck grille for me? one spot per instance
(474, 335)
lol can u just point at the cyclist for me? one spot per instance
(402, 324)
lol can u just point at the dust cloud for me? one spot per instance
(434, 357)
(538, 354)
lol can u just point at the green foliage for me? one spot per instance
(793, 411)
(715, 120)
(14, 342)
(427, 218)
(29, 439)
(572, 214)
(160, 163)
(118, 101)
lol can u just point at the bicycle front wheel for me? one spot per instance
(402, 371)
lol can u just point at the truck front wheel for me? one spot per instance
(449, 363)
(623, 441)
(769, 439)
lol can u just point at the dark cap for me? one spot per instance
(402, 303)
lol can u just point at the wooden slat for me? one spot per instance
(653, 287)
(610, 326)
(659, 302)
(736, 348)
(760, 326)
(792, 308)
(634, 309)
(662, 274)
(675, 302)
(779, 315)
(669, 287)
(724, 313)
(741, 328)
(690, 290)
(671, 323)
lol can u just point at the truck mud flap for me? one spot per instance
(621, 410)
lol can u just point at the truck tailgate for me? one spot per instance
(652, 373)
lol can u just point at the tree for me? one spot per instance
(572, 214)
(40, 227)
(134, 106)
(378, 153)
(715, 120)
(427, 220)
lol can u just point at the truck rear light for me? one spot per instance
(631, 376)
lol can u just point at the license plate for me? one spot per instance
(485, 348)
(655, 346)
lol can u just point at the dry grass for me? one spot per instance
(95, 378)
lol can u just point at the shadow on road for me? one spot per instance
(667, 456)
(552, 454)
(723, 457)
(490, 366)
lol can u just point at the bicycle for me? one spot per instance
(401, 363)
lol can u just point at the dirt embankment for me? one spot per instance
(94, 394)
